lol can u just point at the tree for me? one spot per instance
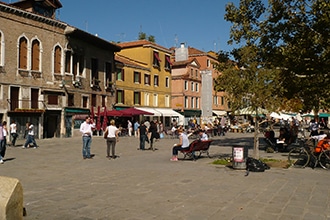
(285, 46)
(295, 38)
(143, 36)
(245, 80)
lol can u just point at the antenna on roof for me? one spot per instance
(176, 40)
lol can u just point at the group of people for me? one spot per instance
(13, 133)
(184, 142)
(145, 131)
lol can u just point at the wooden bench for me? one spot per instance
(196, 149)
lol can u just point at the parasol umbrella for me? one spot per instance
(105, 119)
(98, 123)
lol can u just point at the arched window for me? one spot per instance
(68, 61)
(22, 61)
(57, 59)
(35, 56)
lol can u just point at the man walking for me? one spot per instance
(86, 128)
(30, 136)
(13, 132)
(142, 132)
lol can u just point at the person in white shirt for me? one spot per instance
(112, 138)
(184, 143)
(13, 132)
(203, 136)
(30, 136)
(3, 142)
(129, 128)
(86, 128)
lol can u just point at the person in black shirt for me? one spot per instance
(142, 132)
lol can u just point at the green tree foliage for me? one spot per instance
(143, 36)
(295, 38)
(282, 59)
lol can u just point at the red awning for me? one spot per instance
(134, 111)
(156, 56)
(112, 113)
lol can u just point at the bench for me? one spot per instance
(196, 149)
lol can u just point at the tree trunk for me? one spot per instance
(256, 137)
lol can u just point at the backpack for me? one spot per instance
(255, 165)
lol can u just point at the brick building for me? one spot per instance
(51, 74)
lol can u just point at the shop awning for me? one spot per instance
(219, 113)
(168, 112)
(152, 110)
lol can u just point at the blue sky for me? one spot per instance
(198, 23)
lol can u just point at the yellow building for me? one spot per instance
(143, 79)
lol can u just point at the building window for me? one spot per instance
(57, 59)
(95, 69)
(146, 79)
(197, 87)
(192, 102)
(186, 102)
(137, 77)
(146, 99)
(222, 100)
(208, 63)
(75, 65)
(35, 98)
(23, 53)
(191, 73)
(137, 98)
(104, 101)
(156, 80)
(167, 101)
(52, 99)
(192, 86)
(215, 100)
(185, 85)
(108, 75)
(196, 73)
(70, 99)
(168, 63)
(167, 82)
(85, 102)
(35, 55)
(156, 59)
(155, 100)
(81, 65)
(197, 102)
(120, 97)
(120, 74)
(68, 61)
(94, 100)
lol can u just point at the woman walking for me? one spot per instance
(112, 138)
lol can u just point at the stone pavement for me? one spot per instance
(59, 184)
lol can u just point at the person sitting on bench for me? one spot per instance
(183, 144)
(203, 136)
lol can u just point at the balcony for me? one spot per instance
(36, 74)
(95, 84)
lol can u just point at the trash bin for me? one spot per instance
(240, 154)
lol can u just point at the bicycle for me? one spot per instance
(303, 155)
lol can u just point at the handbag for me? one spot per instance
(161, 135)
(105, 134)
